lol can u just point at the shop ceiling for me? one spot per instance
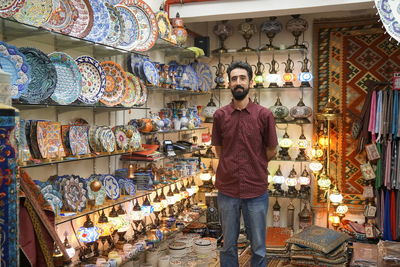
(214, 10)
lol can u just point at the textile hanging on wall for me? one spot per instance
(347, 54)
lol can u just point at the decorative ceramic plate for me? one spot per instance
(92, 138)
(116, 26)
(193, 79)
(69, 79)
(205, 76)
(23, 148)
(147, 21)
(130, 35)
(135, 139)
(65, 139)
(116, 79)
(98, 139)
(15, 63)
(48, 136)
(120, 137)
(43, 76)
(98, 196)
(52, 196)
(78, 140)
(164, 25)
(389, 12)
(130, 187)
(101, 24)
(84, 22)
(35, 12)
(133, 91)
(9, 7)
(111, 186)
(79, 121)
(93, 79)
(113, 2)
(107, 139)
(151, 72)
(74, 193)
(62, 18)
(143, 94)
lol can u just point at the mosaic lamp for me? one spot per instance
(279, 179)
(123, 227)
(315, 166)
(335, 197)
(289, 77)
(305, 75)
(106, 228)
(276, 214)
(137, 217)
(273, 77)
(158, 207)
(297, 26)
(324, 182)
(291, 182)
(222, 30)
(247, 30)
(271, 28)
(88, 234)
(285, 144)
(301, 112)
(302, 143)
(304, 181)
(170, 197)
(70, 250)
(335, 221)
(341, 210)
(279, 111)
(177, 194)
(206, 178)
(259, 69)
(147, 208)
(305, 217)
(316, 151)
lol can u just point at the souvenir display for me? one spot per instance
(111, 186)
(78, 140)
(52, 196)
(48, 136)
(101, 22)
(164, 26)
(133, 91)
(93, 192)
(35, 12)
(43, 76)
(116, 26)
(84, 23)
(205, 77)
(9, 7)
(15, 63)
(148, 30)
(121, 138)
(93, 79)
(73, 192)
(116, 81)
(151, 72)
(69, 79)
(130, 35)
(63, 17)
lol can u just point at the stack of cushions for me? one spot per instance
(276, 238)
(318, 246)
(364, 255)
(389, 253)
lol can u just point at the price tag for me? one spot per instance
(396, 81)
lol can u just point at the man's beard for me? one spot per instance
(239, 95)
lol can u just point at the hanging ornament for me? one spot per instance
(305, 217)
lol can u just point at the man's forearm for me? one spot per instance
(218, 151)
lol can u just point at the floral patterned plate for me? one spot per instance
(93, 79)
(116, 78)
(52, 196)
(135, 139)
(205, 76)
(120, 137)
(35, 12)
(107, 139)
(111, 186)
(164, 25)
(9, 7)
(62, 18)
(69, 79)
(130, 35)
(78, 140)
(148, 24)
(116, 26)
(151, 72)
(43, 76)
(48, 137)
(133, 91)
(92, 138)
(101, 24)
(143, 93)
(73, 192)
(84, 23)
(15, 63)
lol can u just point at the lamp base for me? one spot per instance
(273, 85)
(302, 120)
(246, 49)
(288, 84)
(269, 47)
(220, 50)
(305, 84)
(292, 192)
(297, 46)
(259, 85)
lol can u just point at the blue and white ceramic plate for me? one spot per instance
(107, 139)
(116, 26)
(14, 62)
(130, 35)
(101, 23)
(193, 79)
(69, 79)
(205, 76)
(113, 2)
(111, 186)
(93, 79)
(389, 12)
(151, 72)
(52, 196)
(43, 76)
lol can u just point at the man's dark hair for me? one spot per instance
(240, 65)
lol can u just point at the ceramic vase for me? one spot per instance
(179, 30)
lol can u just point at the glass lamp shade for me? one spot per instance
(273, 78)
(324, 182)
(157, 206)
(278, 177)
(279, 111)
(316, 151)
(304, 180)
(301, 112)
(106, 228)
(259, 78)
(88, 234)
(335, 197)
(136, 215)
(291, 181)
(302, 143)
(324, 141)
(124, 223)
(334, 219)
(117, 222)
(285, 142)
(171, 200)
(147, 208)
(205, 176)
(316, 166)
(195, 188)
(177, 197)
(288, 77)
(342, 209)
(305, 76)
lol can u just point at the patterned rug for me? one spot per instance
(349, 52)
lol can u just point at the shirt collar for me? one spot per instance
(249, 108)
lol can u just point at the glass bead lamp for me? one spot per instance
(302, 144)
(114, 219)
(123, 227)
(273, 77)
(304, 181)
(316, 151)
(137, 217)
(279, 179)
(285, 144)
(222, 30)
(291, 182)
(279, 111)
(324, 182)
(259, 73)
(147, 208)
(247, 29)
(305, 75)
(288, 78)
(297, 26)
(271, 28)
(335, 220)
(301, 112)
(341, 210)
(315, 166)
(335, 197)
(89, 234)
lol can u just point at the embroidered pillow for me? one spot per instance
(319, 238)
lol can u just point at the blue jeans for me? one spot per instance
(254, 214)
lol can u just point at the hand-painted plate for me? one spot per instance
(192, 82)
(74, 193)
(107, 139)
(35, 12)
(133, 88)
(143, 94)
(130, 35)
(164, 25)
(43, 76)
(151, 72)
(62, 18)
(78, 140)
(93, 79)
(113, 2)
(15, 63)
(84, 22)
(69, 79)
(48, 137)
(52, 196)
(111, 186)
(147, 24)
(101, 24)
(135, 139)
(389, 12)
(205, 76)
(9, 7)
(116, 26)
(120, 137)
(116, 81)
(92, 138)
(98, 196)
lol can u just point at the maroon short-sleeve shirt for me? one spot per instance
(244, 136)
